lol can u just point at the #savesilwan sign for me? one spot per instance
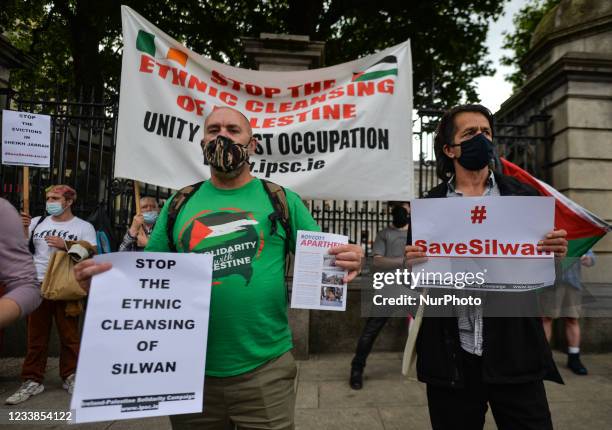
(483, 243)
(342, 132)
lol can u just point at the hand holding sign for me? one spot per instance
(349, 258)
(137, 223)
(26, 219)
(85, 270)
(555, 242)
(414, 255)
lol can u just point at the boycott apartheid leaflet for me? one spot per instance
(483, 243)
(318, 130)
(26, 139)
(317, 282)
(143, 350)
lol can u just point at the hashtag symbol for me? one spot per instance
(479, 213)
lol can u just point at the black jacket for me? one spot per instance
(515, 349)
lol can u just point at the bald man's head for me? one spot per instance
(228, 162)
(229, 123)
(226, 113)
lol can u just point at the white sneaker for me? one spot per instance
(28, 389)
(68, 384)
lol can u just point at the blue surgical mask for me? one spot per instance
(150, 217)
(54, 208)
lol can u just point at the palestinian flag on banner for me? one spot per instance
(385, 67)
(145, 42)
(584, 229)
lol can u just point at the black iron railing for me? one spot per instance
(83, 135)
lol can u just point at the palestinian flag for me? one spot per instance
(145, 42)
(584, 229)
(229, 228)
(385, 67)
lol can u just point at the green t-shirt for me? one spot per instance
(248, 323)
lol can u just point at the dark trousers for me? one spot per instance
(514, 406)
(39, 332)
(372, 327)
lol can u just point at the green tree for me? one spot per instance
(77, 43)
(525, 22)
(447, 39)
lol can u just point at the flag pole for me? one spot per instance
(137, 196)
(137, 203)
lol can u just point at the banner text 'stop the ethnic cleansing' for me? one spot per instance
(318, 106)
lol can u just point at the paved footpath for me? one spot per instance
(325, 402)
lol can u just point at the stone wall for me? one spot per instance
(575, 89)
(569, 78)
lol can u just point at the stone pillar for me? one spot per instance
(287, 52)
(568, 70)
(284, 52)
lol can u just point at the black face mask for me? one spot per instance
(399, 217)
(475, 152)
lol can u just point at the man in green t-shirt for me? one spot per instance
(250, 371)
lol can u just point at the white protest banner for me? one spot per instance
(483, 243)
(317, 282)
(143, 350)
(26, 139)
(342, 132)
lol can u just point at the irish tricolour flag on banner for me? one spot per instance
(583, 228)
(145, 42)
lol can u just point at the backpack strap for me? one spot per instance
(31, 240)
(177, 203)
(278, 198)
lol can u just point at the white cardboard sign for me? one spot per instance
(494, 236)
(26, 139)
(143, 351)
